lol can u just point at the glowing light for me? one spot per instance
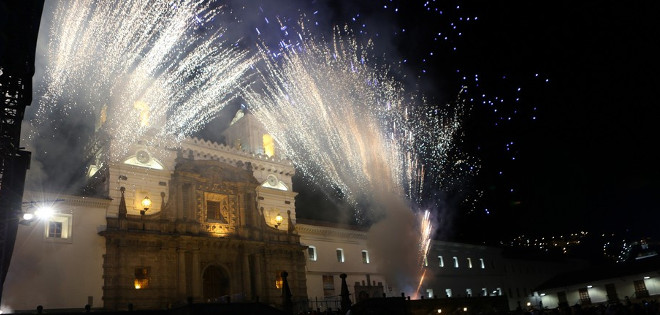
(269, 145)
(143, 110)
(28, 216)
(44, 212)
(424, 244)
(146, 203)
(163, 66)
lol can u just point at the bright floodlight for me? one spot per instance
(44, 212)
(28, 216)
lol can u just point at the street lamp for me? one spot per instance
(278, 219)
(146, 203)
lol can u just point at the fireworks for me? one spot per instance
(342, 119)
(355, 127)
(141, 65)
(424, 244)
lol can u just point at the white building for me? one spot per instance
(630, 282)
(110, 250)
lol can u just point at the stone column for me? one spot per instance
(246, 274)
(258, 260)
(196, 276)
(181, 274)
(179, 202)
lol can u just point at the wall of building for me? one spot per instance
(497, 275)
(326, 240)
(58, 272)
(625, 287)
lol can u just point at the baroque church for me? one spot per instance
(205, 222)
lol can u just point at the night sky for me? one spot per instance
(571, 148)
(589, 161)
(562, 96)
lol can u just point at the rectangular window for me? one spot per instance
(269, 145)
(484, 292)
(429, 293)
(328, 285)
(55, 229)
(217, 207)
(498, 291)
(469, 262)
(483, 265)
(58, 227)
(640, 289)
(365, 257)
(213, 210)
(279, 282)
(468, 292)
(612, 296)
(142, 277)
(455, 262)
(448, 292)
(340, 255)
(562, 299)
(584, 296)
(311, 252)
(442, 263)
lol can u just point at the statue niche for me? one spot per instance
(224, 195)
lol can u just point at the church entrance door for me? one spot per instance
(216, 284)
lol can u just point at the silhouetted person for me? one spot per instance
(345, 298)
(286, 294)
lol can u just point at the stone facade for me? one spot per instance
(209, 243)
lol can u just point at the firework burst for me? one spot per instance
(355, 127)
(141, 65)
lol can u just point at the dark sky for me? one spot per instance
(588, 160)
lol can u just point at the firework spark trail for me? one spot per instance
(353, 124)
(155, 61)
(426, 229)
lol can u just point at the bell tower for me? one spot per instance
(139, 163)
(275, 195)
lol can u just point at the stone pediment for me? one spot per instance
(216, 171)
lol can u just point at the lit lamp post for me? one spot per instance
(146, 203)
(278, 219)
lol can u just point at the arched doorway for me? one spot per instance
(215, 284)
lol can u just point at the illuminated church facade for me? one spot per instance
(206, 222)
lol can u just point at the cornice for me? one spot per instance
(67, 200)
(201, 149)
(313, 231)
